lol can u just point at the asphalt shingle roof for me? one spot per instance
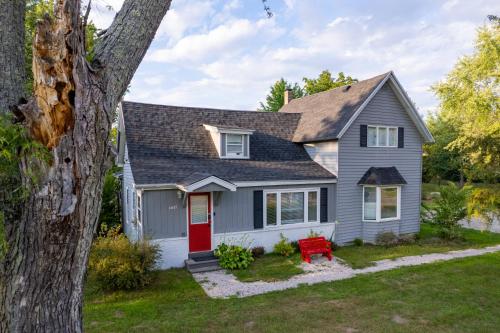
(382, 176)
(168, 144)
(325, 114)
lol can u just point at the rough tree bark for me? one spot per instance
(71, 112)
(12, 74)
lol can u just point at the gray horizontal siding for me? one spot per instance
(164, 215)
(372, 229)
(127, 207)
(234, 211)
(383, 109)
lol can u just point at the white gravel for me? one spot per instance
(220, 284)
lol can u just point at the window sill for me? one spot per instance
(383, 220)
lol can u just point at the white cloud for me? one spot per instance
(221, 41)
(183, 16)
(218, 58)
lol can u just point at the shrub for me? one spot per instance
(258, 251)
(295, 245)
(408, 239)
(449, 209)
(284, 247)
(116, 263)
(335, 246)
(313, 234)
(358, 242)
(233, 256)
(387, 238)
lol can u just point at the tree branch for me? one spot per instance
(122, 48)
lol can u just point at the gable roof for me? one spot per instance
(327, 115)
(168, 144)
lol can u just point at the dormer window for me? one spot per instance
(234, 145)
(230, 142)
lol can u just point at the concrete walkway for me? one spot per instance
(220, 284)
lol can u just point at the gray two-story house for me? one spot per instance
(345, 163)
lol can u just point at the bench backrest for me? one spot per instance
(310, 243)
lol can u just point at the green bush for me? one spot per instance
(387, 238)
(258, 251)
(449, 209)
(313, 234)
(116, 263)
(233, 256)
(284, 247)
(358, 242)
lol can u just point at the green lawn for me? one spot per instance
(455, 296)
(363, 256)
(271, 267)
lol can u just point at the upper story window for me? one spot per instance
(234, 145)
(230, 141)
(382, 136)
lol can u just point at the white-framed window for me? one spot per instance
(127, 206)
(381, 203)
(284, 207)
(234, 145)
(139, 207)
(382, 136)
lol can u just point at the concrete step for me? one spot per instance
(201, 256)
(204, 269)
(202, 262)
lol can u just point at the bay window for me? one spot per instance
(382, 136)
(381, 203)
(291, 207)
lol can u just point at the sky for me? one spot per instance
(227, 53)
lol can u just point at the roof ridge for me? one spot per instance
(337, 88)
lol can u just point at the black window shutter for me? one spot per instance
(258, 211)
(363, 135)
(401, 137)
(323, 205)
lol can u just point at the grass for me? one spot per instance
(363, 256)
(270, 267)
(456, 296)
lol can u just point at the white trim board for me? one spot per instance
(403, 98)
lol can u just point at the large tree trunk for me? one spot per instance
(11, 53)
(71, 114)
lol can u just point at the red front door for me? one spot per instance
(199, 219)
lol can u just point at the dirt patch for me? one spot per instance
(119, 314)
(399, 320)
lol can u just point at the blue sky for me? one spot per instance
(226, 54)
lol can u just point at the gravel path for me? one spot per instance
(220, 284)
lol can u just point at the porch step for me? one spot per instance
(202, 262)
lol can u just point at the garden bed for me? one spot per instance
(270, 267)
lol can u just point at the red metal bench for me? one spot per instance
(316, 245)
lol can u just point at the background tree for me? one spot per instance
(69, 114)
(470, 104)
(440, 163)
(276, 97)
(326, 82)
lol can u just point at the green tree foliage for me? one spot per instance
(276, 97)
(326, 82)
(450, 208)
(110, 207)
(440, 163)
(470, 104)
